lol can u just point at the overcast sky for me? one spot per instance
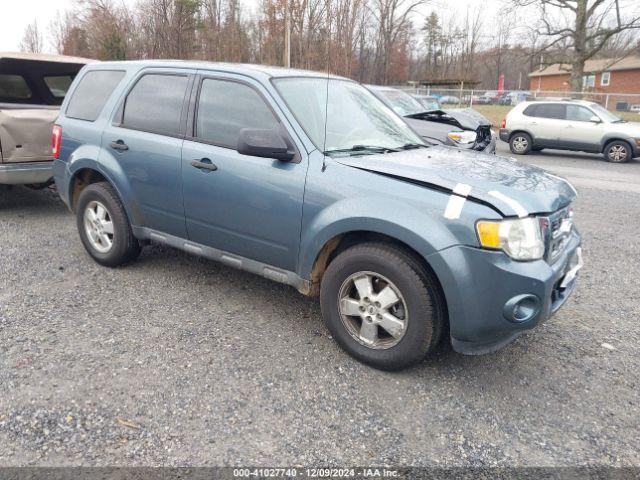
(17, 14)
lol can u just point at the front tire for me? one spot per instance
(382, 306)
(618, 152)
(520, 143)
(104, 228)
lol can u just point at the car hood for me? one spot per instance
(629, 128)
(511, 187)
(466, 119)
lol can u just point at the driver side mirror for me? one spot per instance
(264, 143)
(595, 119)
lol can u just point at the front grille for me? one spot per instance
(483, 138)
(557, 229)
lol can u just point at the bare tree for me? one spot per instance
(32, 39)
(585, 27)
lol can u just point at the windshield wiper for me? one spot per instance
(413, 146)
(362, 149)
(620, 120)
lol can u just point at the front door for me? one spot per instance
(146, 141)
(244, 205)
(579, 131)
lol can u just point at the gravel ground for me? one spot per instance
(176, 360)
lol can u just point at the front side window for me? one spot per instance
(226, 107)
(579, 114)
(92, 93)
(351, 116)
(58, 85)
(13, 87)
(155, 104)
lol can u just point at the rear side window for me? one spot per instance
(92, 93)
(14, 87)
(155, 104)
(58, 84)
(546, 110)
(227, 107)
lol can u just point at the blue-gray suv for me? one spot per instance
(309, 180)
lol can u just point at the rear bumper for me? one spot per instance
(25, 173)
(504, 134)
(482, 288)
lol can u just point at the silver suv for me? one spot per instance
(574, 125)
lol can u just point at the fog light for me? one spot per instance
(521, 308)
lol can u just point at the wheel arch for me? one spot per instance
(84, 172)
(616, 138)
(522, 130)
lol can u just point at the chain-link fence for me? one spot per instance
(464, 98)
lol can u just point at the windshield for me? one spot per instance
(604, 114)
(402, 103)
(355, 117)
(430, 103)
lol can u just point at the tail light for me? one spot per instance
(504, 123)
(56, 140)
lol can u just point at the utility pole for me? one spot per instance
(287, 36)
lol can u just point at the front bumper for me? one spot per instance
(481, 286)
(25, 173)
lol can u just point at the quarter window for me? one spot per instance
(58, 84)
(92, 93)
(579, 114)
(226, 107)
(155, 104)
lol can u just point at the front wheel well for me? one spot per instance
(339, 243)
(81, 180)
(611, 140)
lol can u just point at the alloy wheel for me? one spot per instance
(520, 144)
(618, 153)
(98, 226)
(373, 310)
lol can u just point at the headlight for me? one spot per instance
(521, 238)
(463, 137)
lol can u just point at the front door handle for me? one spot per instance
(204, 164)
(119, 145)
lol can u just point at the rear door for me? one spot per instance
(546, 122)
(248, 206)
(146, 138)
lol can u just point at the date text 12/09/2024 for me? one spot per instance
(315, 473)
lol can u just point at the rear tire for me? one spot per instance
(375, 329)
(618, 151)
(104, 227)
(520, 143)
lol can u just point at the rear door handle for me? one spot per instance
(204, 164)
(119, 145)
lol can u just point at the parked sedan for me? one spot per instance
(461, 128)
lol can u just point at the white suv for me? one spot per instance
(570, 125)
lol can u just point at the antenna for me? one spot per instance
(326, 105)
